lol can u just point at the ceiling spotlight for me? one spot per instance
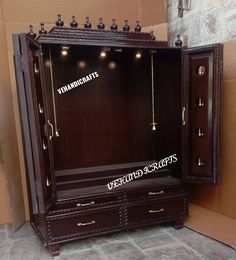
(82, 64)
(47, 63)
(104, 51)
(112, 65)
(64, 51)
(138, 55)
(118, 49)
(103, 54)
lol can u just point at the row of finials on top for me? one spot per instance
(87, 25)
(100, 26)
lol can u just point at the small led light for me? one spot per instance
(138, 55)
(82, 64)
(103, 54)
(47, 63)
(64, 51)
(118, 49)
(112, 65)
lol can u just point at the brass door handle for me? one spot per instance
(155, 193)
(52, 130)
(156, 211)
(85, 204)
(86, 223)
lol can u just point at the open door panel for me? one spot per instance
(201, 94)
(35, 123)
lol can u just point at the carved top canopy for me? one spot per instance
(79, 36)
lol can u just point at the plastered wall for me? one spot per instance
(15, 16)
(213, 21)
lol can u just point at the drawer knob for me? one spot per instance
(156, 211)
(85, 204)
(155, 193)
(86, 223)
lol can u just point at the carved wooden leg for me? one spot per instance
(54, 249)
(178, 224)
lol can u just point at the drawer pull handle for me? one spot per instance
(156, 193)
(86, 223)
(156, 211)
(85, 204)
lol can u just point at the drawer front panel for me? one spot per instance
(156, 193)
(84, 223)
(86, 203)
(155, 211)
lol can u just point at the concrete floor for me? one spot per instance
(159, 243)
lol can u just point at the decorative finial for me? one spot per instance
(73, 23)
(101, 25)
(87, 24)
(114, 26)
(59, 22)
(178, 42)
(42, 29)
(31, 31)
(137, 28)
(126, 26)
(153, 36)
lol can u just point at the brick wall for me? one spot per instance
(208, 21)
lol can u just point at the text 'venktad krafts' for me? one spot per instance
(139, 173)
(78, 82)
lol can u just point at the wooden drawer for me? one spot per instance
(156, 193)
(155, 211)
(85, 203)
(84, 223)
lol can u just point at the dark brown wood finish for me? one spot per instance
(105, 132)
(31, 85)
(202, 73)
(91, 37)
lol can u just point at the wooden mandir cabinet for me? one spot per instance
(134, 104)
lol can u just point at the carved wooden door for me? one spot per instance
(36, 126)
(201, 92)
